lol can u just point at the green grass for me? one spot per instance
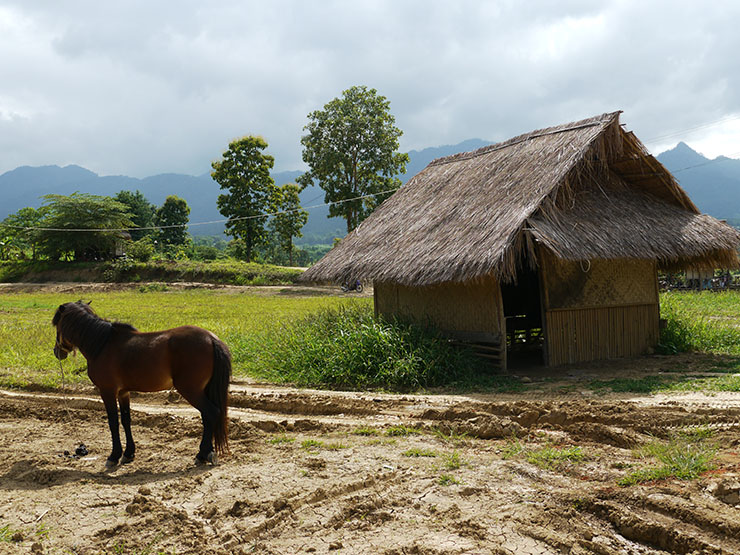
(684, 457)
(27, 337)
(281, 439)
(7, 532)
(365, 431)
(551, 458)
(700, 321)
(452, 461)
(447, 480)
(402, 431)
(419, 452)
(312, 445)
(348, 348)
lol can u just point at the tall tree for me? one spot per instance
(141, 210)
(351, 148)
(172, 218)
(244, 170)
(290, 219)
(81, 211)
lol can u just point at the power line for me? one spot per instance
(227, 220)
(696, 128)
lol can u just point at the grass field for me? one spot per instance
(249, 323)
(27, 337)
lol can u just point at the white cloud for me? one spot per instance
(144, 87)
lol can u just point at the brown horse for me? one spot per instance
(121, 359)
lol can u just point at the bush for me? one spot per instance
(348, 348)
(141, 250)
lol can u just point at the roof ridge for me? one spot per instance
(574, 126)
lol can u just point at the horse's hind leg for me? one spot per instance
(111, 409)
(124, 401)
(209, 416)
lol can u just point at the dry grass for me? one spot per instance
(586, 189)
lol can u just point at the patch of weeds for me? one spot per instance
(513, 448)
(312, 444)
(365, 431)
(451, 436)
(7, 533)
(621, 465)
(681, 458)
(646, 385)
(402, 431)
(42, 531)
(153, 288)
(551, 458)
(380, 441)
(336, 446)
(696, 433)
(726, 382)
(447, 480)
(452, 461)
(418, 452)
(281, 439)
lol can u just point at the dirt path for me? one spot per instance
(328, 472)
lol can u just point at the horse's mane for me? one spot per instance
(79, 325)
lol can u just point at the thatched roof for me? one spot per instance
(584, 190)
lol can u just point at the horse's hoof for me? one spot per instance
(126, 460)
(110, 464)
(211, 458)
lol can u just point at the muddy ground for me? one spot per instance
(328, 472)
(336, 472)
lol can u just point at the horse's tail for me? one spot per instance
(217, 391)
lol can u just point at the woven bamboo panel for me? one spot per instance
(599, 333)
(599, 283)
(455, 307)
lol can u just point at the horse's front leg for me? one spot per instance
(111, 408)
(124, 401)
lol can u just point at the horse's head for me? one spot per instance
(63, 346)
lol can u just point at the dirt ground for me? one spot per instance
(329, 472)
(336, 472)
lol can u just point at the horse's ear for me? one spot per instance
(89, 302)
(61, 308)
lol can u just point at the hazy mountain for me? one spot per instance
(713, 185)
(24, 186)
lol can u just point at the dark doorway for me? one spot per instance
(523, 314)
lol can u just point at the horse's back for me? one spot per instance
(155, 361)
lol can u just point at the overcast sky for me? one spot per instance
(143, 87)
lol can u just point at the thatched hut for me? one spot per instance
(553, 238)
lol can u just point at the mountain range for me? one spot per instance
(713, 185)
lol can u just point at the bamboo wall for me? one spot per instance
(603, 309)
(473, 307)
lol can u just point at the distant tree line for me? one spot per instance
(351, 151)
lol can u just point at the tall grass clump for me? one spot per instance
(684, 457)
(700, 321)
(348, 348)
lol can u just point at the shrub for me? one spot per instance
(141, 250)
(349, 348)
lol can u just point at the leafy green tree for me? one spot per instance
(351, 150)
(290, 219)
(17, 236)
(141, 210)
(172, 219)
(81, 211)
(244, 170)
